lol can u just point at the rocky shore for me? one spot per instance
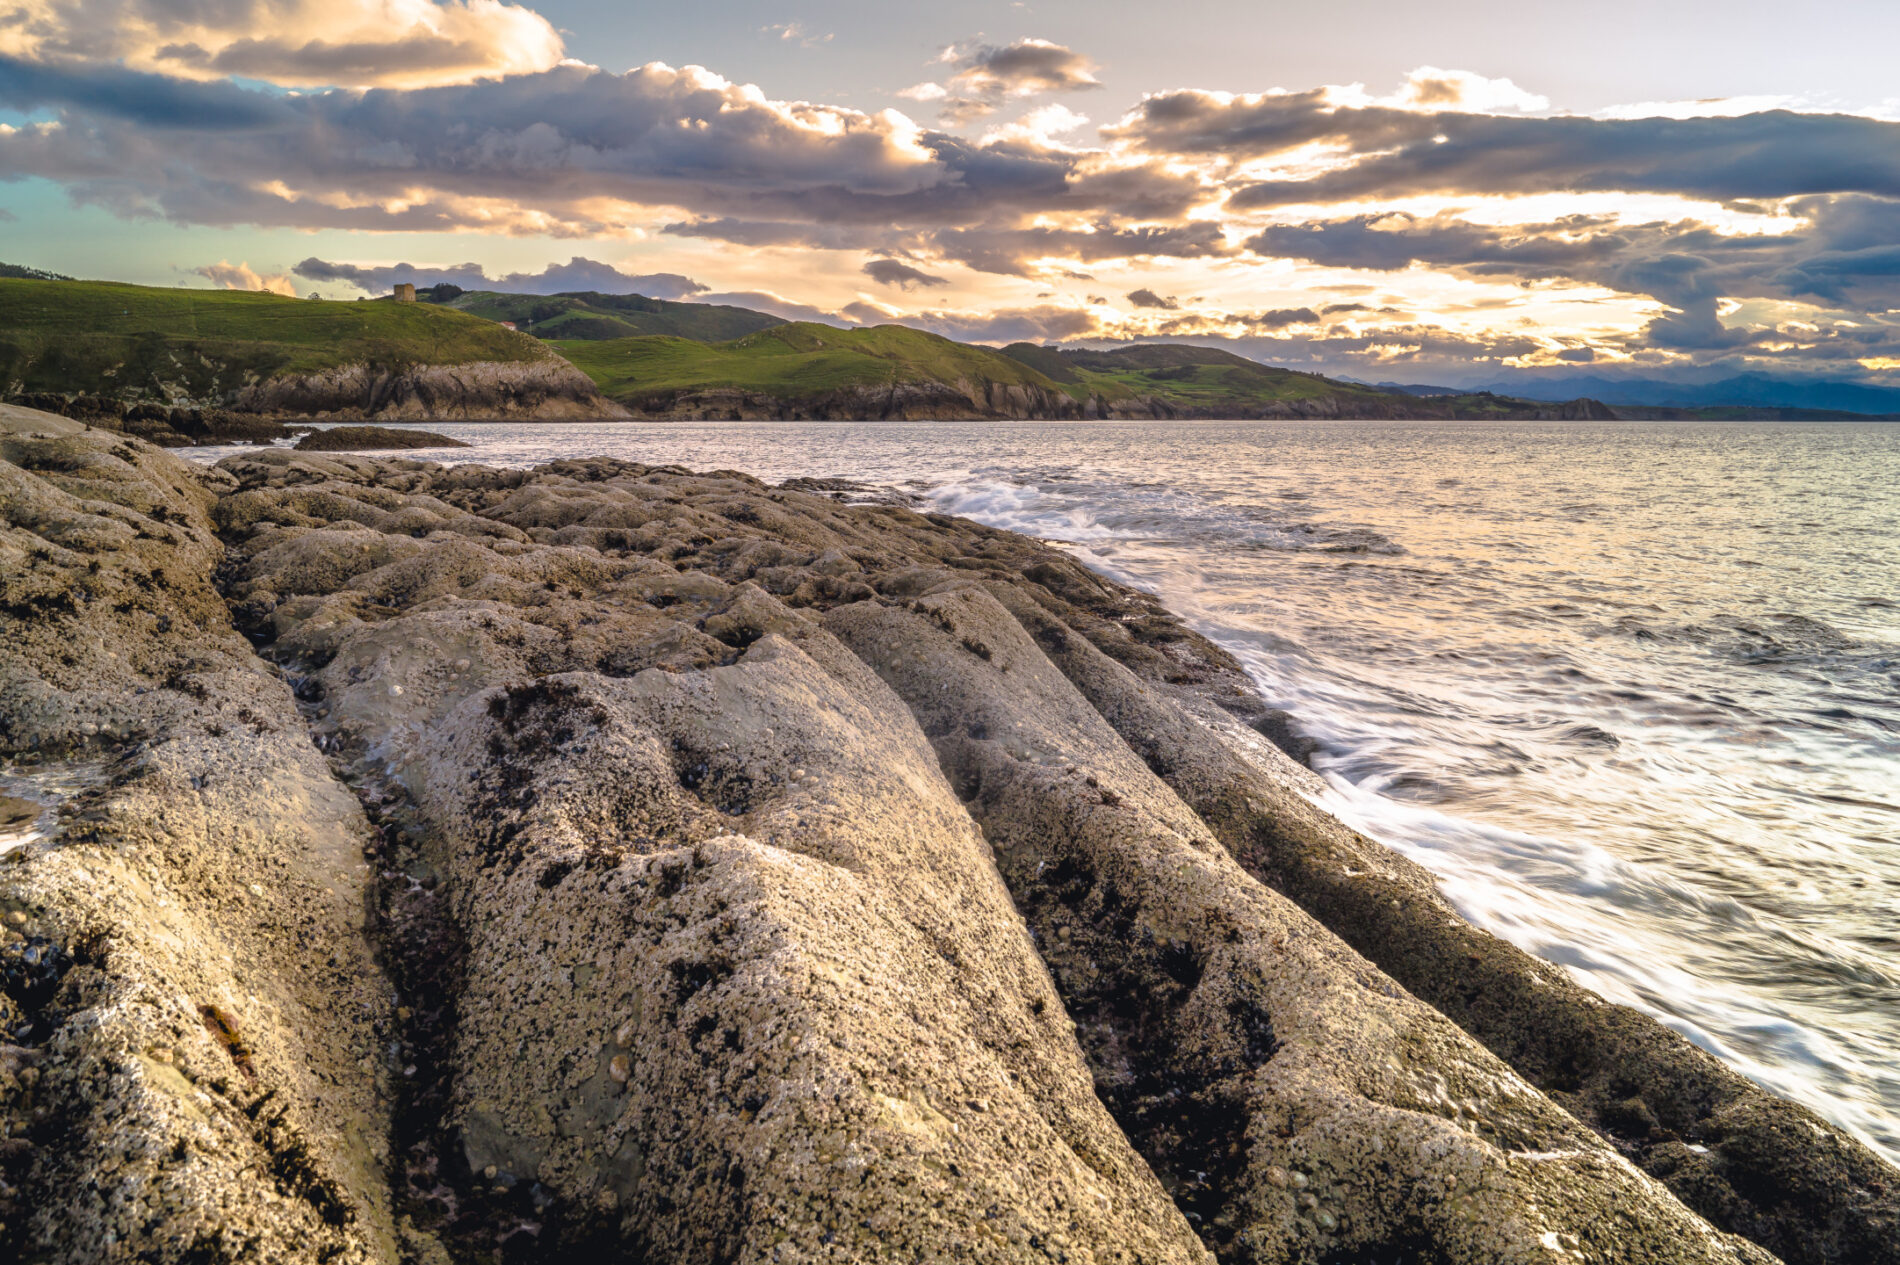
(601, 862)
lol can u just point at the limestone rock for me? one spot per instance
(186, 972)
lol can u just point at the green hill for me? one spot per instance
(1194, 379)
(591, 316)
(104, 338)
(792, 359)
(817, 371)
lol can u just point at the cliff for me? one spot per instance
(609, 862)
(540, 390)
(100, 351)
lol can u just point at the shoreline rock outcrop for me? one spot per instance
(194, 1065)
(369, 438)
(766, 878)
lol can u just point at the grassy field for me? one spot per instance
(792, 360)
(106, 338)
(602, 316)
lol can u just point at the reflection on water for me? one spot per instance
(30, 796)
(1631, 690)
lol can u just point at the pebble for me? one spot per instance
(623, 1035)
(1297, 1178)
(621, 1068)
(1326, 1220)
(1276, 1175)
(461, 665)
(16, 918)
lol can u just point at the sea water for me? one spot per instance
(1631, 690)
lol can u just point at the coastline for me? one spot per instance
(1004, 703)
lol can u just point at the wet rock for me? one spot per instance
(771, 878)
(1246, 1051)
(367, 438)
(258, 1134)
(713, 1008)
(1640, 1085)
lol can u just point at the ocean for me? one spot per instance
(1631, 690)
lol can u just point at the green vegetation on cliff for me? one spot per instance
(791, 360)
(590, 315)
(807, 370)
(105, 338)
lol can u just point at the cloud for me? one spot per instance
(241, 276)
(866, 312)
(1387, 152)
(773, 304)
(1148, 298)
(892, 272)
(356, 43)
(794, 33)
(989, 76)
(1043, 323)
(577, 274)
(570, 152)
(1280, 318)
(1846, 254)
(1430, 88)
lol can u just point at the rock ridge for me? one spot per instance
(762, 878)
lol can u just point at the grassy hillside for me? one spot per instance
(1193, 378)
(807, 365)
(791, 360)
(592, 316)
(105, 338)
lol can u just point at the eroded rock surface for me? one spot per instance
(191, 1067)
(572, 667)
(764, 878)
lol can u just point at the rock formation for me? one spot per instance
(547, 389)
(373, 438)
(758, 877)
(194, 1025)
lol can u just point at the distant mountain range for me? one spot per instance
(1750, 391)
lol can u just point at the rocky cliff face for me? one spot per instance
(900, 401)
(758, 878)
(915, 401)
(543, 390)
(549, 390)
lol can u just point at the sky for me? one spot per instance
(1451, 192)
